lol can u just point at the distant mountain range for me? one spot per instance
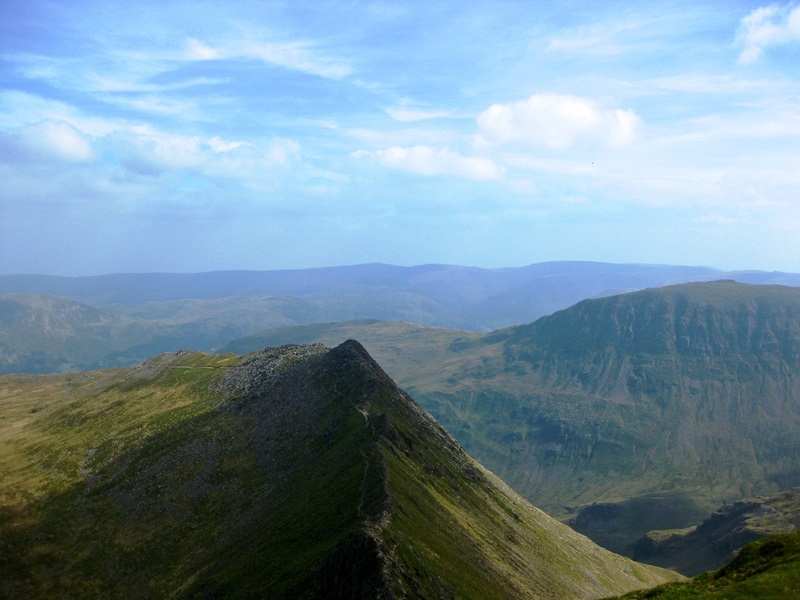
(102, 321)
(297, 472)
(442, 295)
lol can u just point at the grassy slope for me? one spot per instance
(212, 474)
(156, 485)
(448, 526)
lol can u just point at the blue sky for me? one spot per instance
(194, 136)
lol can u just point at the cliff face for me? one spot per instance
(296, 472)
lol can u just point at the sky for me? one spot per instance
(194, 136)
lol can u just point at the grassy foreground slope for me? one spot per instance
(297, 472)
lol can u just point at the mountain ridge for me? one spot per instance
(294, 472)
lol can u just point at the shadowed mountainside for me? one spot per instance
(296, 472)
(717, 539)
(767, 569)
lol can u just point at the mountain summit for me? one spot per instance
(295, 472)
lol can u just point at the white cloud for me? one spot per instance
(768, 26)
(150, 152)
(219, 145)
(426, 160)
(46, 141)
(558, 122)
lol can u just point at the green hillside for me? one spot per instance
(297, 472)
(46, 334)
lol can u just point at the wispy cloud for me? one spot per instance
(303, 56)
(407, 114)
(426, 160)
(768, 26)
(146, 151)
(601, 39)
(119, 70)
